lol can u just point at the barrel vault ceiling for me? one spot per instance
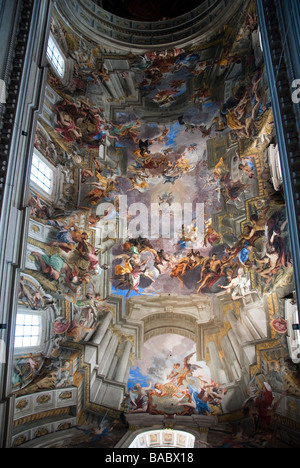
(166, 230)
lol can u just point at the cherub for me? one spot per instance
(179, 374)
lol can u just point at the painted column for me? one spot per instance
(108, 356)
(218, 373)
(231, 359)
(235, 345)
(101, 330)
(252, 330)
(123, 363)
(112, 368)
(243, 335)
(102, 348)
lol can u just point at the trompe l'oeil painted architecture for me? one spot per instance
(149, 224)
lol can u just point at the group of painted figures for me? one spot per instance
(188, 391)
(165, 159)
(184, 392)
(167, 163)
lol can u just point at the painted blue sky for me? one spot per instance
(123, 293)
(136, 376)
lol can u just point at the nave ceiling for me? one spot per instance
(160, 264)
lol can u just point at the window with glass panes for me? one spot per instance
(55, 57)
(41, 174)
(27, 333)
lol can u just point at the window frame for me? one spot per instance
(26, 324)
(49, 56)
(37, 187)
(39, 346)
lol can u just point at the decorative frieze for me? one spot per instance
(37, 402)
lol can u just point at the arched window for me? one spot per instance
(28, 330)
(55, 57)
(41, 174)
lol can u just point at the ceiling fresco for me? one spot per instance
(168, 200)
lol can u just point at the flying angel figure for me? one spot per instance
(131, 272)
(96, 432)
(182, 375)
(187, 363)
